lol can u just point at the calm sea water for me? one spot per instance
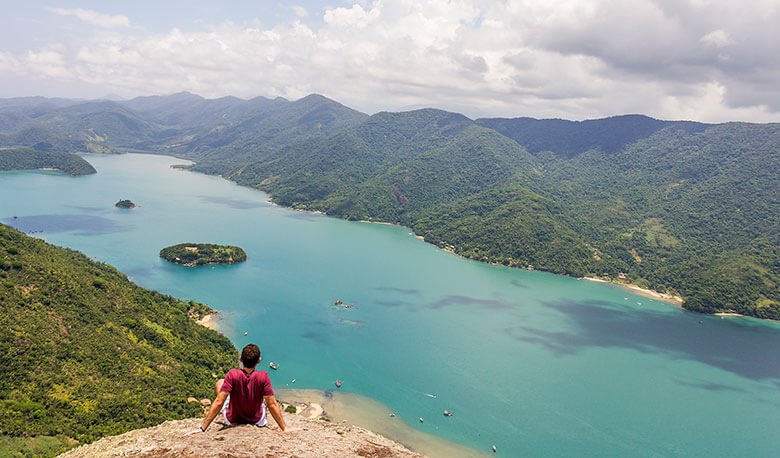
(538, 364)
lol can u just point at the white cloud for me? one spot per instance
(708, 60)
(717, 38)
(93, 17)
(299, 11)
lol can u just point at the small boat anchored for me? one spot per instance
(338, 383)
(421, 420)
(447, 413)
(273, 365)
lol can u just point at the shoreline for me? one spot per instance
(671, 299)
(649, 293)
(372, 415)
(210, 320)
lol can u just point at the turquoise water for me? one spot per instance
(538, 364)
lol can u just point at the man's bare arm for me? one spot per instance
(214, 411)
(276, 412)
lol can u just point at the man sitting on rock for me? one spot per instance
(243, 395)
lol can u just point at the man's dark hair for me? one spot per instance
(250, 355)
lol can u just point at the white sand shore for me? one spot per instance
(211, 320)
(670, 298)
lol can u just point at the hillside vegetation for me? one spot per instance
(87, 353)
(677, 206)
(30, 159)
(198, 254)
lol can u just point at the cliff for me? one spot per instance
(305, 438)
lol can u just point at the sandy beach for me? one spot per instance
(211, 320)
(649, 293)
(342, 407)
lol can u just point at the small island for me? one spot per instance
(198, 254)
(125, 203)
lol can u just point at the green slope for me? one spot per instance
(29, 159)
(87, 353)
(682, 207)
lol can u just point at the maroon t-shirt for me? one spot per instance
(246, 395)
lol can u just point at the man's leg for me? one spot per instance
(217, 389)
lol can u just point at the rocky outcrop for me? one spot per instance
(304, 438)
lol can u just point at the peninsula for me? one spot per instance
(31, 159)
(198, 254)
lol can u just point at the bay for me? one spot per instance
(536, 363)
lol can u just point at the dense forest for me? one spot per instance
(198, 254)
(30, 159)
(87, 353)
(677, 206)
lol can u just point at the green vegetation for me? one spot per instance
(87, 353)
(40, 446)
(676, 206)
(197, 254)
(29, 159)
(124, 203)
(689, 209)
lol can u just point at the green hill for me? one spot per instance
(87, 353)
(29, 159)
(674, 206)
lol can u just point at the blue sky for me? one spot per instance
(709, 60)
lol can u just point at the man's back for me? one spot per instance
(246, 395)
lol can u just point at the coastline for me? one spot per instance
(649, 293)
(210, 320)
(367, 413)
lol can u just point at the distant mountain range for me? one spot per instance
(677, 206)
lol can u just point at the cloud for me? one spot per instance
(299, 11)
(93, 17)
(710, 60)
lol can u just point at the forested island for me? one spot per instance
(125, 203)
(197, 254)
(30, 159)
(125, 357)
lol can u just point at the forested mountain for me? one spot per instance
(87, 353)
(673, 205)
(568, 138)
(30, 159)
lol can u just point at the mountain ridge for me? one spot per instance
(676, 206)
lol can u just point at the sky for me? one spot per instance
(705, 60)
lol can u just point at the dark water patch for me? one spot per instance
(390, 303)
(239, 204)
(391, 289)
(743, 348)
(86, 209)
(710, 386)
(80, 224)
(490, 304)
(319, 337)
(518, 283)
